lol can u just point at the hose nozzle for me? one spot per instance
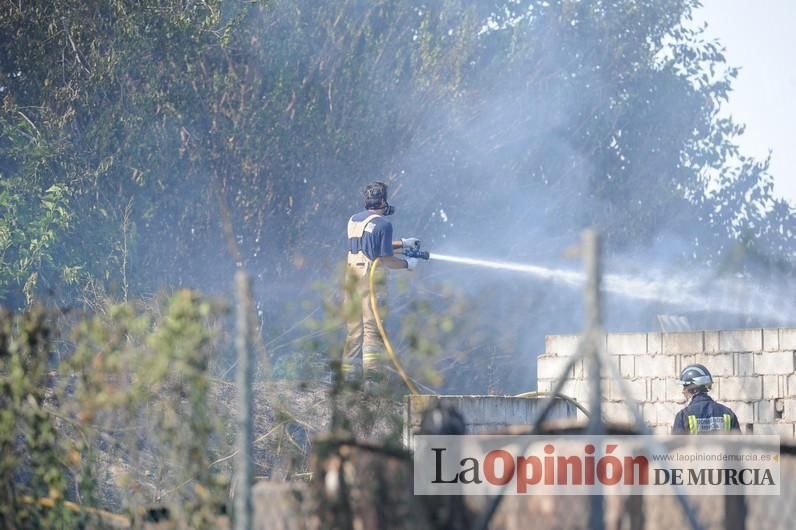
(416, 253)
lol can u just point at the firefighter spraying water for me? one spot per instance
(370, 244)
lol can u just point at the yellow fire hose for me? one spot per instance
(387, 344)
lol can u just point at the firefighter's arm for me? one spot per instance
(678, 427)
(735, 426)
(406, 242)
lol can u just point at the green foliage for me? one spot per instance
(148, 379)
(34, 460)
(32, 223)
(125, 422)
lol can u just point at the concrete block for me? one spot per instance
(654, 343)
(627, 366)
(790, 386)
(740, 388)
(544, 385)
(711, 341)
(764, 411)
(655, 365)
(626, 343)
(649, 413)
(687, 342)
(561, 345)
(674, 391)
(774, 362)
(773, 387)
(785, 430)
(719, 364)
(657, 390)
(578, 389)
(637, 388)
(741, 340)
(789, 414)
(787, 339)
(770, 339)
(607, 371)
(617, 412)
(744, 410)
(585, 369)
(578, 372)
(604, 341)
(552, 367)
(666, 411)
(744, 364)
(664, 428)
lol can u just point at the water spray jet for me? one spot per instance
(687, 292)
(560, 275)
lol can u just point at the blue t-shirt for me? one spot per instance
(377, 237)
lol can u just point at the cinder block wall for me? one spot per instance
(754, 372)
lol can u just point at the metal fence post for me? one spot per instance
(243, 347)
(593, 331)
(590, 247)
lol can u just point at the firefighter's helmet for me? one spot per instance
(695, 376)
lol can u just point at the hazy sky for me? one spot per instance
(760, 37)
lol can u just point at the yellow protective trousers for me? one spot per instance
(364, 345)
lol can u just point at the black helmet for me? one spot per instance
(376, 197)
(696, 376)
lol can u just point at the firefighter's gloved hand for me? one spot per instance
(411, 263)
(410, 243)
